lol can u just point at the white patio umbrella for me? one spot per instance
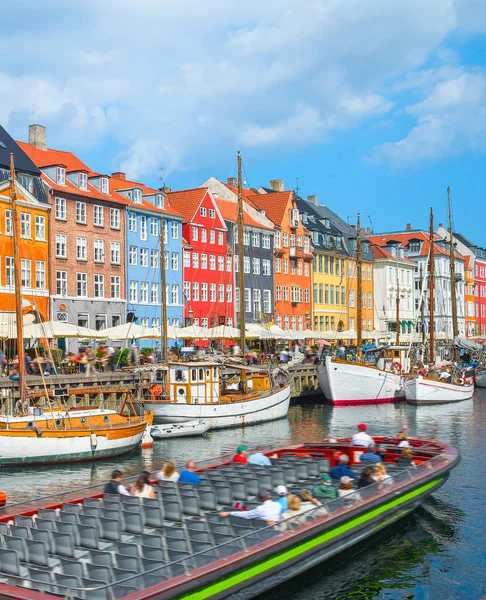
(58, 329)
(129, 331)
(192, 332)
(278, 333)
(255, 331)
(172, 332)
(223, 332)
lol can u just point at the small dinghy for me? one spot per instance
(172, 430)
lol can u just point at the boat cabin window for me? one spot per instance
(208, 373)
(215, 372)
(179, 375)
(201, 374)
(194, 375)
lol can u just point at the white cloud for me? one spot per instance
(365, 106)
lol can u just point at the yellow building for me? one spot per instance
(329, 308)
(367, 300)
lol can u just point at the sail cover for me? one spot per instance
(465, 344)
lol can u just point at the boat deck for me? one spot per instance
(101, 547)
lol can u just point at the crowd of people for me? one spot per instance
(278, 505)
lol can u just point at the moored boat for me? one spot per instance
(193, 552)
(480, 377)
(425, 390)
(172, 430)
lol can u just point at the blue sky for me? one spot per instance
(374, 106)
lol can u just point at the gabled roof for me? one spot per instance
(380, 252)
(21, 160)
(187, 201)
(404, 237)
(229, 212)
(274, 204)
(117, 184)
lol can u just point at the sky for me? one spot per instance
(374, 106)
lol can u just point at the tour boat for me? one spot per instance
(90, 545)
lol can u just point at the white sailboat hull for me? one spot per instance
(480, 378)
(347, 383)
(265, 408)
(429, 391)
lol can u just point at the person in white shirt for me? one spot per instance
(268, 510)
(362, 438)
(403, 443)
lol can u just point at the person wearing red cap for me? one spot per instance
(362, 438)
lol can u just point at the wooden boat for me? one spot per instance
(190, 551)
(173, 430)
(347, 383)
(480, 378)
(425, 390)
(51, 432)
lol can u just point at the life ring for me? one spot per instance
(397, 367)
(3, 498)
(156, 390)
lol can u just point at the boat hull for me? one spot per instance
(427, 391)
(265, 408)
(173, 430)
(347, 383)
(480, 378)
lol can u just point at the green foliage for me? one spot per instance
(146, 352)
(57, 356)
(121, 357)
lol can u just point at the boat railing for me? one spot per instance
(201, 563)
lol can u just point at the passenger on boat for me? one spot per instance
(282, 492)
(325, 489)
(342, 469)
(115, 486)
(258, 458)
(366, 477)
(240, 456)
(168, 473)
(188, 475)
(268, 510)
(403, 440)
(379, 473)
(307, 500)
(362, 438)
(370, 456)
(405, 458)
(345, 486)
(294, 509)
(142, 487)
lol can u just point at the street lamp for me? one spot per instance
(190, 312)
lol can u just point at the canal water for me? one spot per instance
(437, 553)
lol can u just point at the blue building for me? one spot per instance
(147, 215)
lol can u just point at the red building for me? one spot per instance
(480, 284)
(208, 275)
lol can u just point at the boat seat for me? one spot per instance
(101, 558)
(68, 582)
(252, 484)
(323, 464)
(92, 511)
(115, 498)
(18, 545)
(38, 554)
(190, 505)
(127, 548)
(170, 497)
(199, 536)
(202, 560)
(75, 508)
(132, 501)
(89, 520)
(207, 499)
(92, 503)
(175, 555)
(135, 522)
(72, 567)
(238, 489)
(154, 512)
(153, 540)
(112, 513)
(223, 494)
(4, 529)
(111, 529)
(19, 531)
(149, 564)
(10, 563)
(69, 528)
(173, 511)
(180, 544)
(197, 526)
(179, 533)
(40, 577)
(265, 479)
(185, 486)
(43, 535)
(69, 517)
(99, 573)
(45, 524)
(227, 544)
(221, 529)
(22, 521)
(129, 563)
(277, 475)
(47, 513)
(155, 554)
(89, 537)
(64, 546)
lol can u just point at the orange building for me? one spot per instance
(470, 296)
(33, 252)
(367, 300)
(292, 257)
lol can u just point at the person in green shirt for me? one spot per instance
(325, 489)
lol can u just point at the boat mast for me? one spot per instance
(359, 306)
(455, 325)
(241, 274)
(163, 297)
(431, 288)
(18, 279)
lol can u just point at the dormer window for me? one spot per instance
(414, 247)
(159, 201)
(83, 181)
(61, 175)
(104, 185)
(137, 196)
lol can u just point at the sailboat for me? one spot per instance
(40, 429)
(432, 390)
(223, 395)
(347, 383)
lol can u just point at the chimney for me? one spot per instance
(277, 185)
(166, 189)
(314, 199)
(37, 136)
(118, 175)
(408, 227)
(440, 225)
(232, 182)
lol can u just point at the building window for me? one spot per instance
(40, 228)
(292, 240)
(165, 229)
(278, 265)
(174, 294)
(99, 251)
(212, 262)
(267, 301)
(100, 322)
(83, 181)
(154, 293)
(62, 317)
(246, 237)
(155, 322)
(187, 291)
(204, 261)
(204, 292)
(132, 255)
(82, 284)
(278, 292)
(220, 263)
(115, 252)
(195, 234)
(154, 259)
(257, 304)
(26, 274)
(285, 239)
(221, 292)
(98, 215)
(61, 283)
(174, 230)
(8, 222)
(247, 294)
(27, 181)
(246, 264)
(212, 213)
(286, 266)
(115, 218)
(369, 299)
(154, 226)
(83, 320)
(104, 185)
(204, 322)
(81, 248)
(9, 271)
(61, 245)
(144, 321)
(203, 211)
(204, 235)
(306, 295)
(286, 293)
(99, 286)
(137, 196)
(143, 227)
(25, 229)
(256, 266)
(212, 236)
(195, 291)
(174, 261)
(144, 292)
(166, 260)
(220, 238)
(266, 241)
(212, 292)
(266, 267)
(143, 257)
(60, 208)
(80, 212)
(115, 287)
(132, 222)
(61, 175)
(229, 263)
(195, 260)
(133, 291)
(229, 293)
(306, 269)
(299, 267)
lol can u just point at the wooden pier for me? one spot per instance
(304, 382)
